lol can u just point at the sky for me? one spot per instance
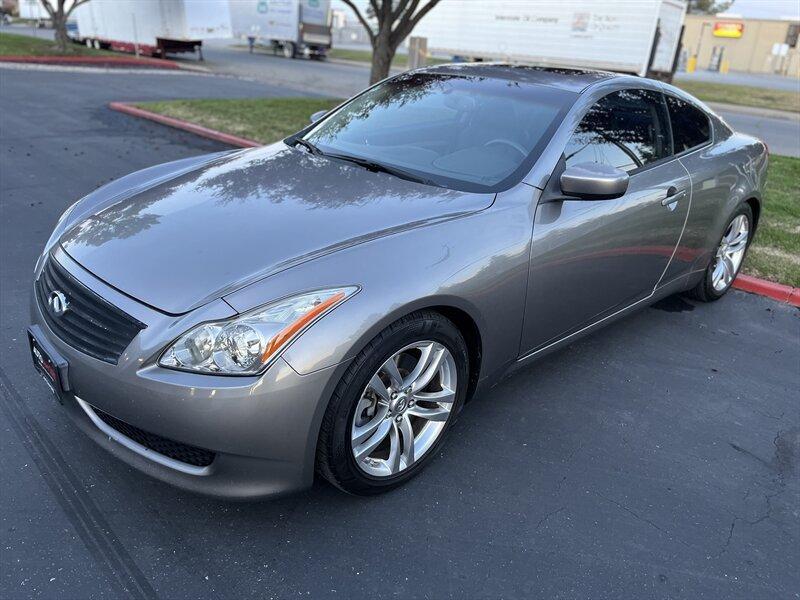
(766, 9)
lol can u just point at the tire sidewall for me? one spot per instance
(742, 209)
(427, 326)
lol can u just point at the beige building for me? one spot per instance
(749, 45)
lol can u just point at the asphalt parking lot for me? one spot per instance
(656, 459)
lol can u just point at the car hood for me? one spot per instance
(204, 233)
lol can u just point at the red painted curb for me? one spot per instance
(213, 134)
(94, 61)
(762, 287)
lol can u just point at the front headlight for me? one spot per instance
(247, 344)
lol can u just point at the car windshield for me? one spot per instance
(459, 131)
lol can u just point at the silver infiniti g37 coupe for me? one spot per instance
(235, 323)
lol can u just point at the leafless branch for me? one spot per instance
(402, 20)
(75, 5)
(48, 8)
(424, 11)
(378, 7)
(359, 16)
(409, 22)
(401, 6)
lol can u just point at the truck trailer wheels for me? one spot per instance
(289, 50)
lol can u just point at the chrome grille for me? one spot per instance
(90, 324)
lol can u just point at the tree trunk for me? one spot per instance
(382, 55)
(60, 27)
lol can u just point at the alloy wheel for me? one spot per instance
(404, 408)
(730, 253)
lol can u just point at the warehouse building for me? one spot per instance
(726, 42)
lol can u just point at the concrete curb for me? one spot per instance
(97, 61)
(746, 283)
(205, 132)
(762, 287)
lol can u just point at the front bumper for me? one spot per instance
(262, 430)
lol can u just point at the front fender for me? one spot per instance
(477, 263)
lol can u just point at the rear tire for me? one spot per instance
(348, 411)
(711, 287)
(289, 50)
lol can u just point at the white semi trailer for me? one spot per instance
(152, 27)
(629, 36)
(292, 27)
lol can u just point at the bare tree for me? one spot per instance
(59, 15)
(396, 19)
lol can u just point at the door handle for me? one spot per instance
(673, 195)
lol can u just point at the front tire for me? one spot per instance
(394, 406)
(730, 254)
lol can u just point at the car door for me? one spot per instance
(591, 258)
(715, 173)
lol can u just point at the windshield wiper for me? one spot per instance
(373, 166)
(307, 145)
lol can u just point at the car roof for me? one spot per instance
(573, 80)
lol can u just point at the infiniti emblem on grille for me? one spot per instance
(57, 303)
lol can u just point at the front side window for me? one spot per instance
(690, 125)
(625, 130)
(460, 131)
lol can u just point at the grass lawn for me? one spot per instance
(774, 255)
(264, 120)
(742, 95)
(12, 44)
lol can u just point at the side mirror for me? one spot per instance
(594, 181)
(318, 115)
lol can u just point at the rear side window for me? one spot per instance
(690, 125)
(626, 130)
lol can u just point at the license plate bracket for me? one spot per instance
(48, 362)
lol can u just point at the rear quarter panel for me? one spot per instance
(731, 170)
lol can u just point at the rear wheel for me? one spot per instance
(728, 258)
(394, 405)
(289, 50)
